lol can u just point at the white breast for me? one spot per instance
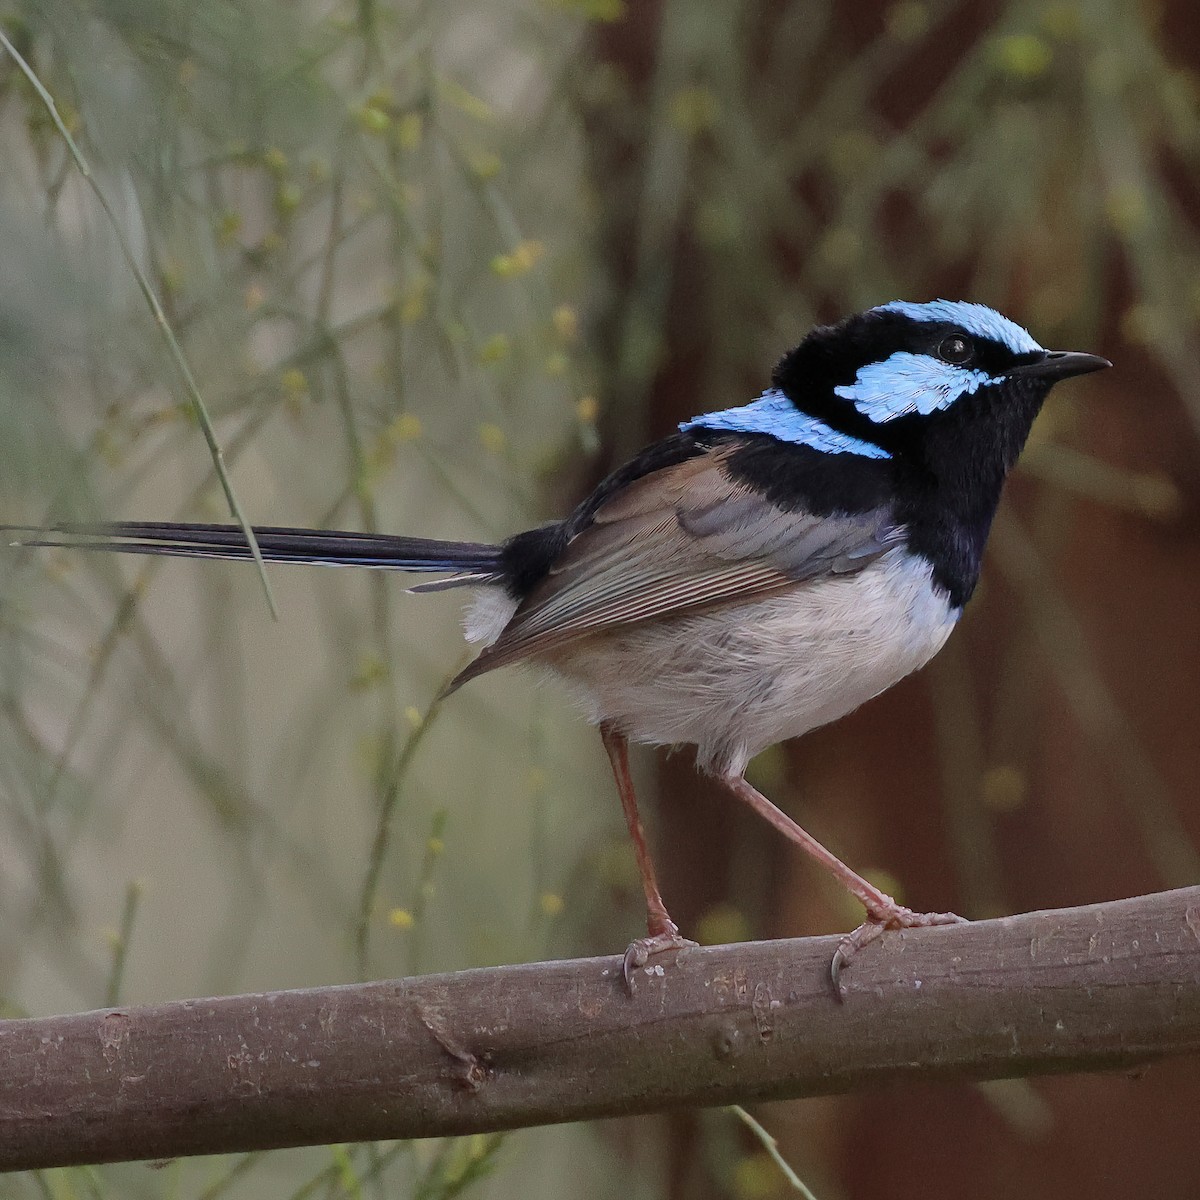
(739, 678)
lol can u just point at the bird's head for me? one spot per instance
(924, 407)
(945, 384)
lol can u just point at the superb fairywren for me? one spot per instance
(759, 573)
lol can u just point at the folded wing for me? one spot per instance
(675, 541)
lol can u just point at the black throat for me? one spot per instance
(950, 476)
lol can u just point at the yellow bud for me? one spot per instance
(493, 439)
(722, 923)
(528, 253)
(484, 164)
(401, 918)
(409, 131)
(494, 349)
(228, 227)
(566, 322)
(694, 110)
(1125, 207)
(372, 120)
(293, 382)
(1004, 788)
(522, 259)
(413, 307)
(405, 428)
(466, 102)
(1023, 55)
(550, 903)
(287, 198)
(371, 672)
(479, 1145)
(756, 1177)
(172, 275)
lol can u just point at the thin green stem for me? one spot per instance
(383, 829)
(771, 1146)
(116, 975)
(160, 317)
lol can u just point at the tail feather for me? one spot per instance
(466, 562)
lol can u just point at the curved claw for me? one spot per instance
(639, 951)
(848, 946)
(876, 923)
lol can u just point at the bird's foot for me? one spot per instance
(639, 952)
(893, 916)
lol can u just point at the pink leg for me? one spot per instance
(882, 911)
(663, 932)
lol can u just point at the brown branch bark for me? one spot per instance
(1076, 989)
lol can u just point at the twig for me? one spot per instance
(389, 802)
(771, 1146)
(160, 317)
(1109, 985)
(120, 944)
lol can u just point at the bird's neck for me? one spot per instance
(954, 489)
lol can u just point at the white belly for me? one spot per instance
(739, 678)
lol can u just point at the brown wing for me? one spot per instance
(679, 539)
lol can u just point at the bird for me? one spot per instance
(758, 573)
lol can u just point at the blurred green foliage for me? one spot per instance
(420, 257)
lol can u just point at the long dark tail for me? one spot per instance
(464, 562)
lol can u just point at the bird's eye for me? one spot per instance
(955, 349)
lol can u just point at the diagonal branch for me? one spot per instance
(1077, 989)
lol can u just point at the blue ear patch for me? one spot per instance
(909, 383)
(775, 414)
(976, 319)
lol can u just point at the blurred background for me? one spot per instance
(436, 267)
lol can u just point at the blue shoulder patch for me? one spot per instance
(908, 383)
(976, 319)
(775, 414)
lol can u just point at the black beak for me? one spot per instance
(1061, 364)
